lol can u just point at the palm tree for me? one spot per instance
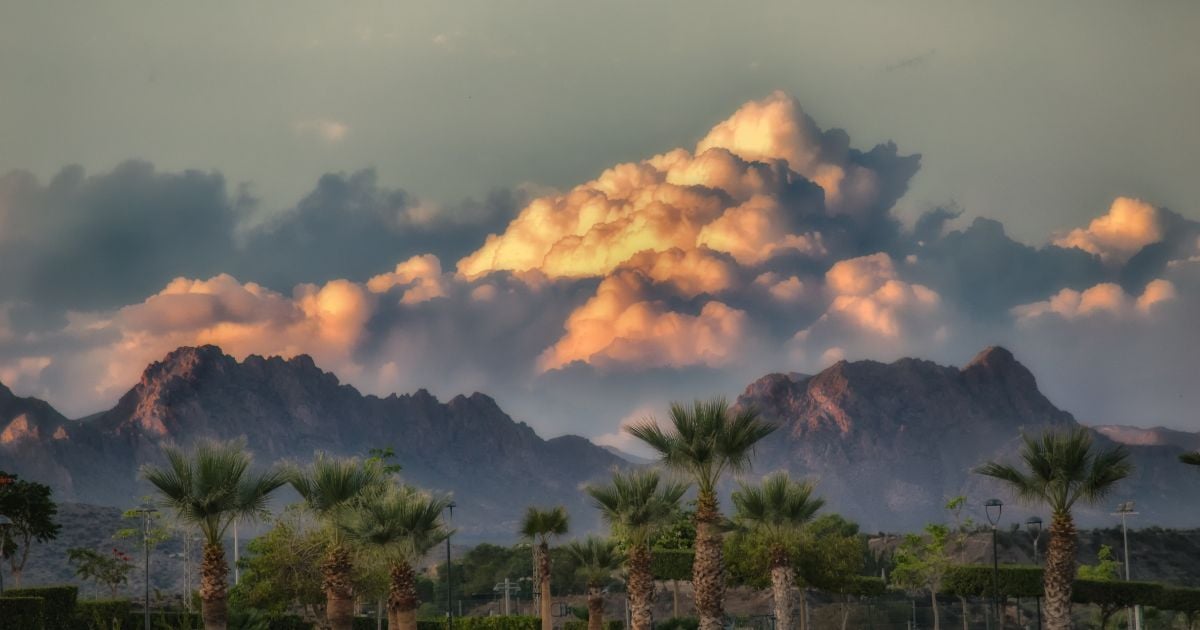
(777, 510)
(402, 524)
(211, 489)
(1060, 470)
(539, 526)
(328, 488)
(636, 505)
(708, 439)
(597, 558)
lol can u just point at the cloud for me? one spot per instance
(1107, 298)
(326, 129)
(762, 183)
(1129, 225)
(620, 325)
(421, 277)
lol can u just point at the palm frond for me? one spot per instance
(637, 503)
(542, 525)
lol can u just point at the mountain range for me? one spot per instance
(888, 443)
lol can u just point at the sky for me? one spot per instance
(589, 209)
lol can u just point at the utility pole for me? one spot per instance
(1125, 510)
(237, 571)
(508, 587)
(145, 514)
(449, 570)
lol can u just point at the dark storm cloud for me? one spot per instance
(89, 243)
(93, 243)
(351, 227)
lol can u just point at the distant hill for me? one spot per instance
(286, 410)
(890, 443)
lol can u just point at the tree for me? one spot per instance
(212, 487)
(597, 559)
(29, 506)
(1191, 459)
(401, 524)
(707, 439)
(330, 486)
(106, 569)
(637, 505)
(922, 563)
(282, 569)
(1106, 569)
(1060, 469)
(539, 526)
(832, 554)
(778, 509)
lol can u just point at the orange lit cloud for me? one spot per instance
(620, 325)
(1106, 298)
(420, 275)
(744, 191)
(1129, 225)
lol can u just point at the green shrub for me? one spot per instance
(59, 604)
(672, 564)
(511, 622)
(101, 614)
(22, 613)
(1184, 600)
(865, 586)
(575, 624)
(614, 624)
(1117, 594)
(368, 623)
(678, 623)
(428, 624)
(975, 580)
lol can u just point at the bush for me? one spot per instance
(511, 622)
(1117, 594)
(611, 624)
(1184, 600)
(59, 604)
(865, 586)
(22, 613)
(975, 580)
(426, 624)
(101, 614)
(672, 564)
(678, 623)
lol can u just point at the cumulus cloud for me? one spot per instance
(420, 276)
(326, 129)
(763, 182)
(1129, 226)
(619, 325)
(1107, 298)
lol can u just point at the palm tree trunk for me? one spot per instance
(339, 589)
(595, 607)
(708, 569)
(544, 586)
(641, 587)
(214, 592)
(402, 598)
(783, 580)
(1060, 571)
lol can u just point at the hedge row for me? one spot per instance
(672, 564)
(59, 604)
(22, 613)
(976, 580)
(1026, 581)
(579, 624)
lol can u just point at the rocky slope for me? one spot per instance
(891, 443)
(286, 410)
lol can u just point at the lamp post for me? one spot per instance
(449, 571)
(1034, 525)
(145, 513)
(1125, 510)
(5, 523)
(993, 508)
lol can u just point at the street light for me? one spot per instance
(993, 508)
(5, 523)
(146, 513)
(1125, 510)
(449, 570)
(1034, 525)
